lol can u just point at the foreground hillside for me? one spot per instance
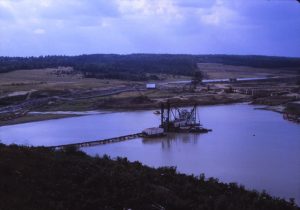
(39, 178)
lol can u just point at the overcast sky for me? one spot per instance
(71, 27)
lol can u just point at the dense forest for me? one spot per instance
(33, 178)
(141, 66)
(257, 61)
(127, 67)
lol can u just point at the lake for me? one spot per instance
(256, 148)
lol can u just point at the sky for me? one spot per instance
(73, 27)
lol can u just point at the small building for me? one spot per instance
(151, 86)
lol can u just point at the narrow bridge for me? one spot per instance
(99, 142)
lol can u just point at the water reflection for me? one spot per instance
(173, 138)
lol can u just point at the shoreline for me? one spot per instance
(41, 115)
(278, 109)
(36, 116)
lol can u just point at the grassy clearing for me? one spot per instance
(220, 71)
(46, 79)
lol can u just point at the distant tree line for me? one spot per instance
(126, 67)
(140, 66)
(135, 67)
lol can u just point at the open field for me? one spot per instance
(220, 71)
(50, 79)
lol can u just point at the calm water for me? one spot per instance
(255, 148)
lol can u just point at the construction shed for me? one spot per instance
(151, 86)
(153, 131)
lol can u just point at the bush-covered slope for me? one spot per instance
(40, 178)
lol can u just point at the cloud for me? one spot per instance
(153, 26)
(218, 14)
(39, 31)
(144, 10)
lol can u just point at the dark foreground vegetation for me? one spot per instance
(42, 179)
(141, 66)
